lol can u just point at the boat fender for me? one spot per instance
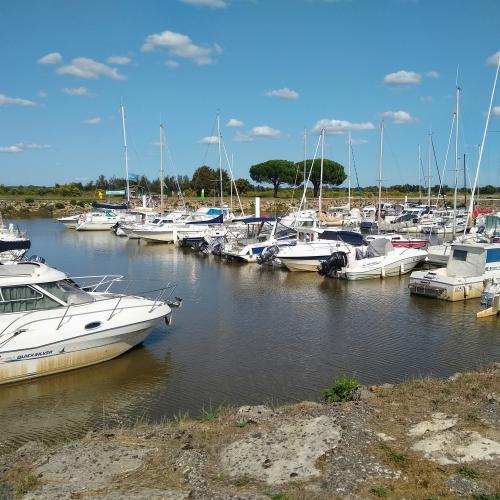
(168, 319)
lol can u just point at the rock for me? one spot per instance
(254, 412)
(454, 377)
(454, 447)
(360, 394)
(439, 422)
(384, 437)
(461, 485)
(493, 398)
(289, 451)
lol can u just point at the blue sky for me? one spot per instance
(272, 67)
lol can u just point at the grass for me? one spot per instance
(341, 390)
(378, 491)
(211, 413)
(468, 472)
(28, 483)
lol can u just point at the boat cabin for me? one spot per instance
(473, 260)
(30, 286)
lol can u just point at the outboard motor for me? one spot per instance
(268, 254)
(331, 266)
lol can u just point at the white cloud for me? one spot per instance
(340, 126)
(495, 111)
(171, 64)
(403, 78)
(22, 146)
(425, 98)
(359, 141)
(212, 139)
(265, 131)
(52, 58)
(10, 149)
(83, 67)
(234, 123)
(92, 121)
(398, 117)
(42, 93)
(80, 91)
(493, 59)
(121, 60)
(239, 137)
(212, 4)
(181, 46)
(31, 145)
(15, 101)
(284, 93)
(432, 74)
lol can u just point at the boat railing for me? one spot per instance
(158, 297)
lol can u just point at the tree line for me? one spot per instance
(274, 173)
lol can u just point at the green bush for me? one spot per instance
(341, 390)
(59, 206)
(72, 202)
(81, 203)
(29, 200)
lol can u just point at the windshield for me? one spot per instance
(67, 292)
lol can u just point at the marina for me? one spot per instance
(245, 334)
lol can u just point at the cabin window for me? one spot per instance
(460, 255)
(67, 292)
(24, 298)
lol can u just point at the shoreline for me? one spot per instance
(423, 438)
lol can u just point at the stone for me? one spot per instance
(439, 422)
(287, 452)
(254, 413)
(455, 447)
(462, 485)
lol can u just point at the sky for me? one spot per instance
(272, 69)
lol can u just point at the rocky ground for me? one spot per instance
(422, 439)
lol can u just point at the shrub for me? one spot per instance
(81, 203)
(73, 202)
(341, 390)
(468, 472)
(59, 206)
(29, 200)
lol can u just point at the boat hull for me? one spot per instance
(71, 354)
(158, 237)
(95, 226)
(378, 270)
(302, 264)
(446, 288)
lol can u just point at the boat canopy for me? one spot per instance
(216, 220)
(6, 245)
(110, 206)
(254, 220)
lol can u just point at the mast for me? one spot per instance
(220, 159)
(161, 167)
(465, 183)
(457, 160)
(232, 181)
(126, 152)
(349, 174)
(380, 168)
(429, 174)
(321, 173)
(419, 178)
(481, 148)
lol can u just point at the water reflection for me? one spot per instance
(246, 334)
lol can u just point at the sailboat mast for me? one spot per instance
(305, 165)
(349, 174)
(380, 168)
(161, 167)
(419, 173)
(321, 173)
(220, 158)
(457, 111)
(126, 152)
(429, 173)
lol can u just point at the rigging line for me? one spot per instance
(309, 176)
(447, 153)
(423, 173)
(232, 175)
(204, 161)
(175, 176)
(435, 160)
(360, 190)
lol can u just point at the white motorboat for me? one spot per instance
(14, 243)
(316, 245)
(469, 264)
(71, 221)
(49, 324)
(97, 221)
(379, 260)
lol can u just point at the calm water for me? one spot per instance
(245, 334)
